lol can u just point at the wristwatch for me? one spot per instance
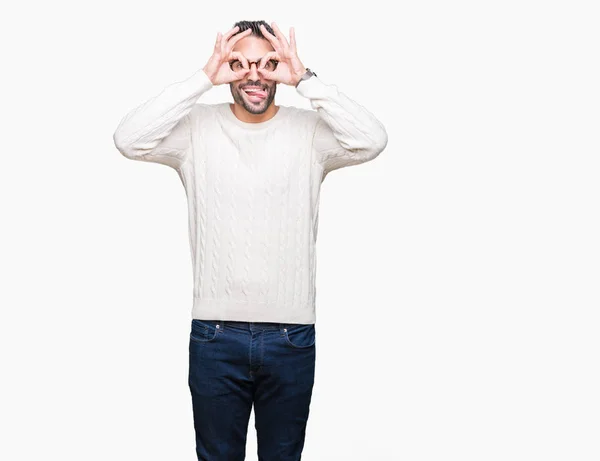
(308, 74)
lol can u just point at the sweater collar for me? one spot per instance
(230, 116)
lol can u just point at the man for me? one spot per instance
(252, 173)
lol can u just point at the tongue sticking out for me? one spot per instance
(256, 95)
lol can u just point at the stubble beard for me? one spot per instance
(253, 108)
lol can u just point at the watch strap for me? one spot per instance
(308, 74)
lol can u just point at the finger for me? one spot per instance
(267, 57)
(241, 57)
(270, 36)
(241, 74)
(265, 73)
(218, 42)
(279, 35)
(293, 39)
(231, 32)
(238, 37)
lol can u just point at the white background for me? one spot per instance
(458, 283)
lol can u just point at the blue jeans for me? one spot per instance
(234, 365)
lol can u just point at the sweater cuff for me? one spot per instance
(200, 80)
(312, 88)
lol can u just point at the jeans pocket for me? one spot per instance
(300, 336)
(204, 331)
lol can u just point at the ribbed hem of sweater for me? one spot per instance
(219, 309)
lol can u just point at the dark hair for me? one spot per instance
(255, 26)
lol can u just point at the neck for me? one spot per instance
(248, 117)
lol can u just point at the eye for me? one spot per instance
(236, 65)
(271, 64)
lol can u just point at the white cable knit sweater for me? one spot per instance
(252, 190)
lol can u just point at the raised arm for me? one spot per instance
(346, 133)
(159, 129)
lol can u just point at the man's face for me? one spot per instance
(253, 49)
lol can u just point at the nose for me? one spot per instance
(254, 71)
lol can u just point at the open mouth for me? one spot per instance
(255, 94)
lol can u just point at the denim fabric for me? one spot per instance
(234, 365)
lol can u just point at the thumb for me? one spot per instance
(266, 73)
(241, 74)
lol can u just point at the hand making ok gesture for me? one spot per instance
(217, 68)
(289, 68)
